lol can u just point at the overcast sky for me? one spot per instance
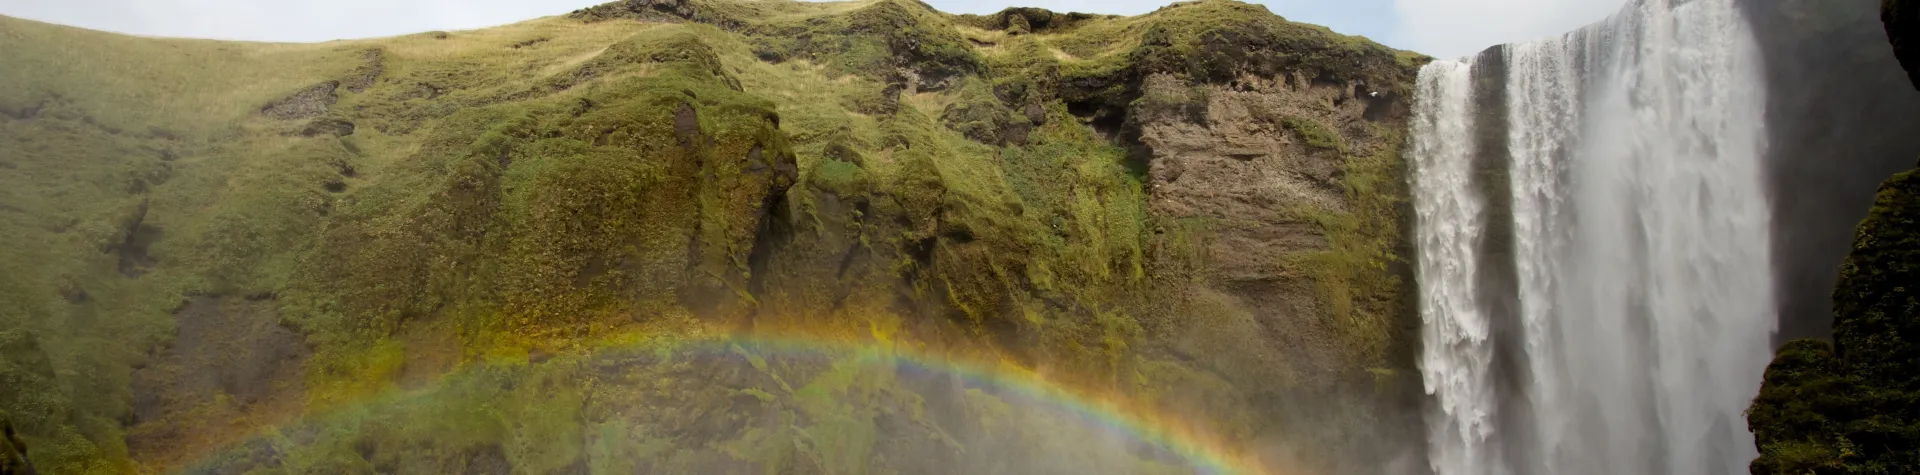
(1443, 28)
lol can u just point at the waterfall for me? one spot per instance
(1630, 173)
(1456, 332)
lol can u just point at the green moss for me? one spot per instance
(1849, 407)
(980, 116)
(551, 189)
(1317, 135)
(1360, 277)
(872, 41)
(840, 178)
(1214, 41)
(855, 165)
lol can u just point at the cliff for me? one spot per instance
(1834, 96)
(219, 253)
(1848, 406)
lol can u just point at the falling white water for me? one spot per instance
(1458, 354)
(1641, 234)
(1543, 122)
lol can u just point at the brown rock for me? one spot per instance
(307, 103)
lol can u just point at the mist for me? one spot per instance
(1841, 117)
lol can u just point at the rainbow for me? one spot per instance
(1196, 448)
(1210, 454)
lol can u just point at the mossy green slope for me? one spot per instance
(1849, 406)
(867, 170)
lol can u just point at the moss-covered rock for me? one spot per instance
(1027, 20)
(1853, 406)
(1219, 41)
(667, 175)
(1850, 407)
(888, 40)
(13, 452)
(877, 173)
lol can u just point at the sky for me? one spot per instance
(1442, 28)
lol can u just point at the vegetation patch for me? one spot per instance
(1316, 135)
(672, 168)
(1847, 406)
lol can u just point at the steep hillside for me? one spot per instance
(575, 243)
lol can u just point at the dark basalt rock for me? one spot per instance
(1902, 20)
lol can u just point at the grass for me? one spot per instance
(159, 87)
(1357, 276)
(1316, 135)
(528, 188)
(655, 407)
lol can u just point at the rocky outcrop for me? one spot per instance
(1196, 210)
(1853, 405)
(307, 103)
(1902, 20)
(675, 10)
(1834, 95)
(1266, 162)
(373, 63)
(1025, 20)
(1850, 406)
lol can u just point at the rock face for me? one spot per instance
(309, 102)
(1849, 406)
(1298, 180)
(1902, 18)
(374, 63)
(1834, 96)
(1195, 211)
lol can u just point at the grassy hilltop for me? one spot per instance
(216, 254)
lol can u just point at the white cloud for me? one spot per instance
(1454, 28)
